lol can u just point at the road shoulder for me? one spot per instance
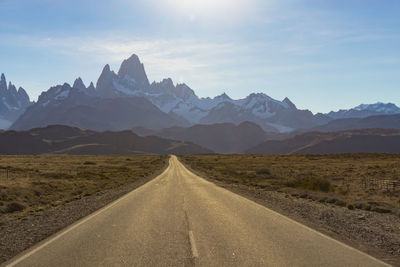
(375, 234)
(17, 236)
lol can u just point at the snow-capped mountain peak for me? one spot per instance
(181, 101)
(366, 110)
(178, 101)
(133, 70)
(13, 102)
(223, 97)
(289, 103)
(387, 108)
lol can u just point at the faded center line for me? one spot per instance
(193, 247)
(195, 253)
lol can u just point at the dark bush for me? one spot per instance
(303, 195)
(315, 184)
(331, 200)
(57, 175)
(263, 172)
(340, 203)
(93, 175)
(89, 163)
(13, 207)
(381, 210)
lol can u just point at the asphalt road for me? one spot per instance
(179, 219)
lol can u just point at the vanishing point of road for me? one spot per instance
(180, 219)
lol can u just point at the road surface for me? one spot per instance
(180, 219)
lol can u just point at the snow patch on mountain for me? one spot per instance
(13, 102)
(386, 108)
(62, 95)
(366, 110)
(181, 101)
(281, 128)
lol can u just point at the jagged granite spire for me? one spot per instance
(133, 70)
(183, 91)
(3, 84)
(91, 87)
(12, 89)
(105, 83)
(79, 84)
(23, 97)
(12, 102)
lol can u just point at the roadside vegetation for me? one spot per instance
(356, 181)
(29, 184)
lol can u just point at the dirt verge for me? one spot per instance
(375, 233)
(17, 236)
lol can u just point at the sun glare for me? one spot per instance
(229, 10)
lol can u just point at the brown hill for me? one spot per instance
(70, 140)
(219, 137)
(352, 141)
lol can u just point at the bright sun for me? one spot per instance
(211, 9)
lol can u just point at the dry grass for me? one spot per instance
(33, 183)
(364, 181)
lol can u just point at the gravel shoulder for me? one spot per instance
(19, 235)
(373, 233)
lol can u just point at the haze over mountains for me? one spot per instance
(220, 137)
(353, 141)
(127, 99)
(378, 121)
(13, 102)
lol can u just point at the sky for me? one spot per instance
(322, 54)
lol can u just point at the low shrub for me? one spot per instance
(91, 175)
(13, 207)
(381, 210)
(340, 203)
(57, 175)
(315, 184)
(263, 172)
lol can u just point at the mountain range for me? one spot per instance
(13, 102)
(159, 104)
(173, 117)
(127, 99)
(365, 110)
